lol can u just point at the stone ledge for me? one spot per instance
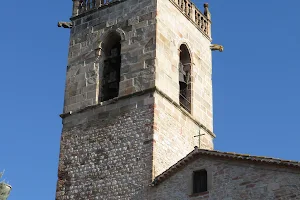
(199, 194)
(108, 102)
(150, 90)
(184, 111)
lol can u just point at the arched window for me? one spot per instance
(185, 78)
(111, 67)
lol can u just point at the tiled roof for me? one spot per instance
(196, 153)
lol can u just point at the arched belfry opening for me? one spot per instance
(185, 78)
(111, 66)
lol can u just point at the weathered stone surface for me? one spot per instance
(174, 134)
(175, 131)
(232, 180)
(107, 154)
(88, 31)
(114, 149)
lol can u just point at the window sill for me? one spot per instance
(199, 194)
(109, 101)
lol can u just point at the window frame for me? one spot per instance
(204, 188)
(185, 65)
(112, 41)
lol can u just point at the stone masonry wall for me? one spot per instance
(174, 131)
(106, 151)
(230, 180)
(134, 20)
(113, 149)
(174, 29)
(174, 135)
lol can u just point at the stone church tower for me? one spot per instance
(138, 91)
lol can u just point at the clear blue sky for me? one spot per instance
(256, 85)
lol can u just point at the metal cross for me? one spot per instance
(199, 138)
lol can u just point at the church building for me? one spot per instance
(138, 110)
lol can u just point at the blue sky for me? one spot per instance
(255, 84)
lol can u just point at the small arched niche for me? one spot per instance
(110, 81)
(185, 89)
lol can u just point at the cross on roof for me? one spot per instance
(199, 137)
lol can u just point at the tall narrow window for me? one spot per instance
(111, 67)
(185, 78)
(200, 181)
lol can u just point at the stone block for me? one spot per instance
(147, 16)
(133, 21)
(126, 84)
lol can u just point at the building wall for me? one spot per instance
(174, 129)
(114, 149)
(106, 151)
(135, 22)
(107, 147)
(229, 180)
(174, 29)
(174, 133)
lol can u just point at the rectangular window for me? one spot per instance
(199, 181)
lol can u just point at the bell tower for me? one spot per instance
(138, 93)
